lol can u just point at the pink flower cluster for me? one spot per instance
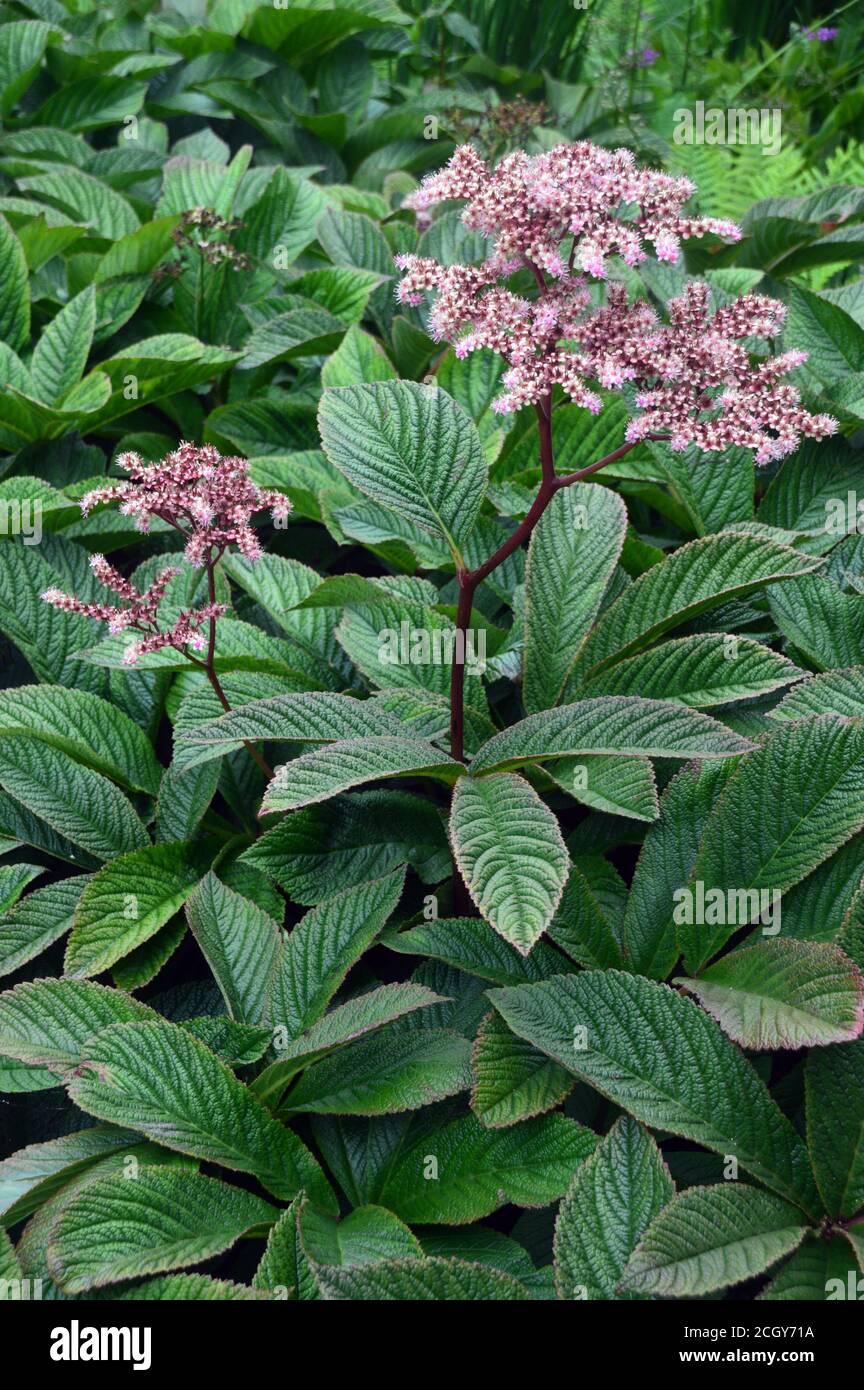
(210, 499)
(140, 611)
(693, 378)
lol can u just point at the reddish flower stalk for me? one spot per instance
(210, 500)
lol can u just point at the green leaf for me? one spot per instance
(649, 932)
(710, 1237)
(834, 1080)
(412, 448)
(184, 1288)
(89, 729)
(316, 717)
(340, 766)
(433, 1279)
(457, 942)
(323, 946)
(157, 1079)
(80, 804)
(610, 724)
(511, 1079)
(281, 223)
(119, 1228)
(820, 1270)
(618, 786)
(86, 199)
(383, 1075)
(33, 1174)
(657, 1055)
(22, 44)
(241, 944)
(61, 353)
(696, 577)
(614, 1196)
(128, 901)
(358, 359)
(790, 805)
(571, 558)
(783, 994)
(511, 854)
(823, 622)
(338, 844)
(835, 692)
(709, 669)
(479, 1170)
(36, 922)
(10, 1270)
(587, 931)
(47, 1022)
(14, 288)
(365, 1236)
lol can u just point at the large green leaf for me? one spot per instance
(710, 669)
(511, 854)
(14, 288)
(610, 724)
(412, 448)
(61, 353)
(119, 1228)
(128, 901)
(241, 944)
(159, 1080)
(434, 1279)
(457, 942)
(512, 1080)
(572, 555)
(316, 717)
(385, 1074)
(615, 1194)
(783, 994)
(48, 1022)
(657, 1055)
(338, 767)
(37, 921)
(835, 1125)
(710, 1237)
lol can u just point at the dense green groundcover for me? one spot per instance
(288, 1050)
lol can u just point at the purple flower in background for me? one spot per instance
(823, 35)
(648, 56)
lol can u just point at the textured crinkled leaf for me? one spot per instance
(614, 1196)
(512, 1080)
(77, 802)
(89, 729)
(783, 994)
(834, 1079)
(581, 927)
(339, 766)
(412, 448)
(344, 1024)
(37, 921)
(238, 1044)
(618, 786)
(10, 1270)
(364, 1236)
(823, 622)
(712, 668)
(463, 943)
(120, 1228)
(657, 1055)
(15, 291)
(316, 717)
(128, 901)
(326, 848)
(812, 1273)
(479, 1170)
(48, 1021)
(696, 577)
(384, 1074)
(790, 805)
(710, 1237)
(669, 850)
(610, 724)
(322, 947)
(835, 692)
(510, 853)
(572, 554)
(33, 1174)
(433, 1279)
(185, 1288)
(241, 944)
(64, 345)
(157, 1079)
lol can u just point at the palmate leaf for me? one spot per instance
(572, 554)
(128, 901)
(119, 1228)
(510, 852)
(696, 577)
(350, 763)
(433, 1279)
(712, 668)
(637, 1043)
(242, 946)
(834, 1078)
(384, 1074)
(412, 448)
(609, 724)
(789, 806)
(479, 1170)
(159, 1080)
(614, 1196)
(511, 1079)
(710, 1237)
(783, 994)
